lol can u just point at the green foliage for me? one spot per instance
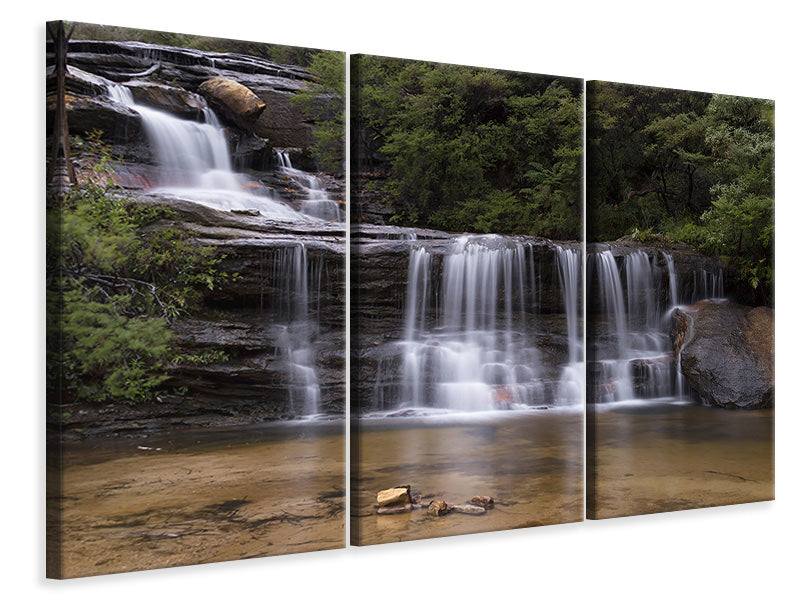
(694, 167)
(114, 284)
(324, 104)
(474, 149)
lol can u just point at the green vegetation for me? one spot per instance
(324, 104)
(471, 149)
(690, 167)
(114, 284)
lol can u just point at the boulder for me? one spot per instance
(234, 100)
(726, 352)
(174, 100)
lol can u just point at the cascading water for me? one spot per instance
(470, 326)
(316, 202)
(290, 264)
(633, 356)
(195, 163)
(572, 382)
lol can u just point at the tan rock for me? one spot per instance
(238, 101)
(395, 495)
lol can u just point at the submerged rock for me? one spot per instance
(727, 353)
(468, 509)
(437, 508)
(486, 502)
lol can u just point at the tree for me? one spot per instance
(472, 149)
(324, 104)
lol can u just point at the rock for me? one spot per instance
(395, 495)
(486, 502)
(727, 353)
(251, 212)
(395, 509)
(168, 98)
(467, 509)
(437, 508)
(233, 100)
(85, 114)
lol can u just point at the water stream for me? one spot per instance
(195, 164)
(316, 202)
(632, 357)
(472, 333)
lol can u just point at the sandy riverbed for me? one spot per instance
(654, 457)
(203, 496)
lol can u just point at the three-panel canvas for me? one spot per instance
(559, 303)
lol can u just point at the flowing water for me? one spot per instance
(195, 164)
(194, 161)
(471, 327)
(316, 202)
(632, 355)
(649, 447)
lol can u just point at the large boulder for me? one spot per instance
(234, 100)
(171, 99)
(727, 353)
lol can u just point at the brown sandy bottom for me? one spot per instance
(657, 458)
(530, 462)
(203, 496)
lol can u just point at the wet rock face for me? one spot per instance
(170, 79)
(728, 353)
(171, 99)
(248, 316)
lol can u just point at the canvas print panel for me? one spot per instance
(195, 288)
(466, 388)
(680, 293)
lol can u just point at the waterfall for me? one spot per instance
(469, 335)
(572, 382)
(316, 202)
(195, 163)
(291, 266)
(634, 358)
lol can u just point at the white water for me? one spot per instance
(195, 164)
(194, 161)
(467, 342)
(571, 385)
(316, 202)
(634, 356)
(290, 265)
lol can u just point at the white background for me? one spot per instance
(746, 48)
